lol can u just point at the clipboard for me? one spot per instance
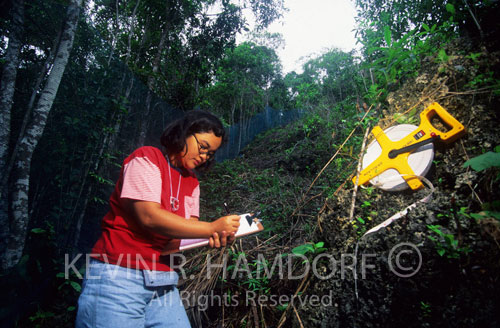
(249, 224)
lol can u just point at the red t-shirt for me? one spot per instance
(145, 175)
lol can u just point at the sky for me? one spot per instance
(312, 26)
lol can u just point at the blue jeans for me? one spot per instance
(115, 296)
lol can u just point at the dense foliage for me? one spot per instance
(242, 82)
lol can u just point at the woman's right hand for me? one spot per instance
(228, 224)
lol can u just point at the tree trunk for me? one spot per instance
(156, 63)
(19, 225)
(233, 109)
(240, 123)
(27, 114)
(7, 87)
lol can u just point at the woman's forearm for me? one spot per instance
(154, 218)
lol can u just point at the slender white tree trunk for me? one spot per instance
(27, 114)
(34, 131)
(7, 87)
(9, 75)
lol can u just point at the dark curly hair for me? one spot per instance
(174, 137)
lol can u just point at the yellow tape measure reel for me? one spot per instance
(406, 149)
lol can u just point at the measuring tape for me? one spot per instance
(406, 150)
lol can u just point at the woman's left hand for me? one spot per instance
(218, 241)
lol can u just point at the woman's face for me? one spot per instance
(200, 147)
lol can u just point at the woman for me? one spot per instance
(156, 200)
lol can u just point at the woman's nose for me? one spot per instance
(204, 157)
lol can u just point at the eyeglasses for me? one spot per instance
(203, 150)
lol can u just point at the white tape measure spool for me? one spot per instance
(420, 160)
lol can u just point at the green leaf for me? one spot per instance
(484, 161)
(303, 249)
(38, 230)
(477, 216)
(387, 35)
(319, 244)
(441, 252)
(449, 239)
(436, 229)
(442, 56)
(450, 8)
(282, 307)
(486, 214)
(76, 286)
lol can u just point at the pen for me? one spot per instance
(225, 206)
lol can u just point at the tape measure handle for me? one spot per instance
(456, 131)
(395, 152)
